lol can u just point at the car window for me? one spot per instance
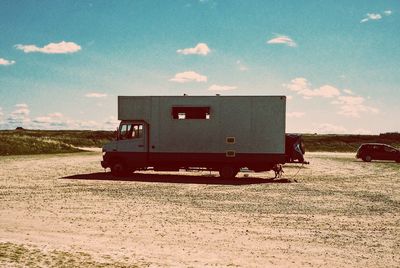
(389, 149)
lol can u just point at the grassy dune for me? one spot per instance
(17, 142)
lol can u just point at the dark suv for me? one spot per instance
(377, 151)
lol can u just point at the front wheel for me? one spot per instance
(228, 172)
(367, 158)
(119, 169)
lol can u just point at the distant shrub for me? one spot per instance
(28, 141)
(346, 143)
(390, 135)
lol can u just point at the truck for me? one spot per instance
(216, 133)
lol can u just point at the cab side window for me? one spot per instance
(125, 131)
(137, 131)
(131, 131)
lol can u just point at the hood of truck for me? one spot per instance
(109, 147)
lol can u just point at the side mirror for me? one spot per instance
(116, 134)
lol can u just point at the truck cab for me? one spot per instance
(130, 149)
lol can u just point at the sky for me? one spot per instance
(63, 63)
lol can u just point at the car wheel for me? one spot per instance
(367, 158)
(118, 169)
(228, 172)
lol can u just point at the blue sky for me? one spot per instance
(63, 63)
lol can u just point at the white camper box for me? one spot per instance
(223, 133)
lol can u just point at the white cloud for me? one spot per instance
(298, 84)
(295, 114)
(59, 121)
(42, 119)
(353, 106)
(1, 115)
(325, 91)
(282, 39)
(327, 128)
(56, 115)
(349, 105)
(242, 67)
(221, 88)
(371, 16)
(303, 87)
(95, 95)
(348, 91)
(20, 116)
(387, 12)
(6, 62)
(52, 119)
(199, 49)
(111, 123)
(188, 76)
(21, 109)
(52, 48)
(362, 131)
(88, 124)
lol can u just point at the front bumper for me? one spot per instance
(104, 164)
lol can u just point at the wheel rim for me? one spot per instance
(118, 168)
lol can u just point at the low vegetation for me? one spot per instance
(22, 141)
(18, 142)
(22, 256)
(346, 143)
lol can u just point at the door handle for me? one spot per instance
(140, 145)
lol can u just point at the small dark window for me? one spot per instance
(230, 153)
(191, 112)
(230, 140)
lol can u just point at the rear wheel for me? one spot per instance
(367, 158)
(228, 172)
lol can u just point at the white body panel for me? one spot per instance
(256, 122)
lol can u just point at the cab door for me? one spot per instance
(133, 142)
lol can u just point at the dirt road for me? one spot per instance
(63, 210)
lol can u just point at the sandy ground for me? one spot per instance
(63, 210)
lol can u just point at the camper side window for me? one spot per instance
(182, 113)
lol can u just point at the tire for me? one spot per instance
(228, 172)
(118, 169)
(367, 158)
